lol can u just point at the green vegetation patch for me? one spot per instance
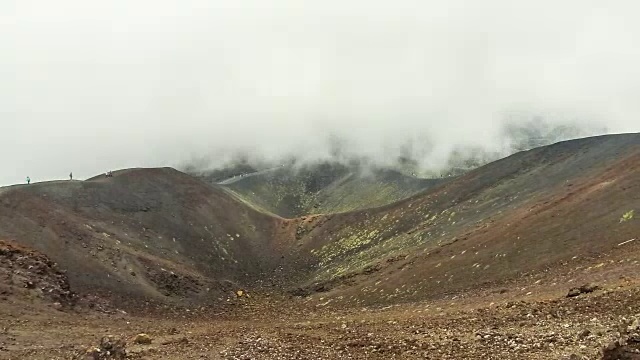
(627, 216)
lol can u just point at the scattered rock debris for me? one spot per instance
(108, 349)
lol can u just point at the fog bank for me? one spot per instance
(92, 86)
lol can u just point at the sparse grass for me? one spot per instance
(627, 216)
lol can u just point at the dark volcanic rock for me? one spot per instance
(584, 289)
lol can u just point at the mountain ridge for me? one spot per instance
(144, 220)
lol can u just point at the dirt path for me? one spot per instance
(237, 178)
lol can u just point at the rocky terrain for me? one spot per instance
(25, 273)
(534, 256)
(601, 325)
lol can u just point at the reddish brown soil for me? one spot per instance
(485, 327)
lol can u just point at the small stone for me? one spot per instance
(573, 292)
(143, 339)
(584, 333)
(584, 289)
(92, 353)
(612, 345)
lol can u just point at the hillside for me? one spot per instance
(496, 263)
(323, 188)
(146, 233)
(524, 215)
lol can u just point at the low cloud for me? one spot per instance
(92, 86)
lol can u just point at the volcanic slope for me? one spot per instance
(161, 234)
(477, 267)
(529, 216)
(324, 188)
(143, 234)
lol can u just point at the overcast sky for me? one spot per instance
(87, 86)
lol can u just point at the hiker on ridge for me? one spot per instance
(28, 180)
(70, 176)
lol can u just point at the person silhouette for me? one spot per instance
(70, 176)
(28, 180)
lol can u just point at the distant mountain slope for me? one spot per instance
(525, 214)
(324, 188)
